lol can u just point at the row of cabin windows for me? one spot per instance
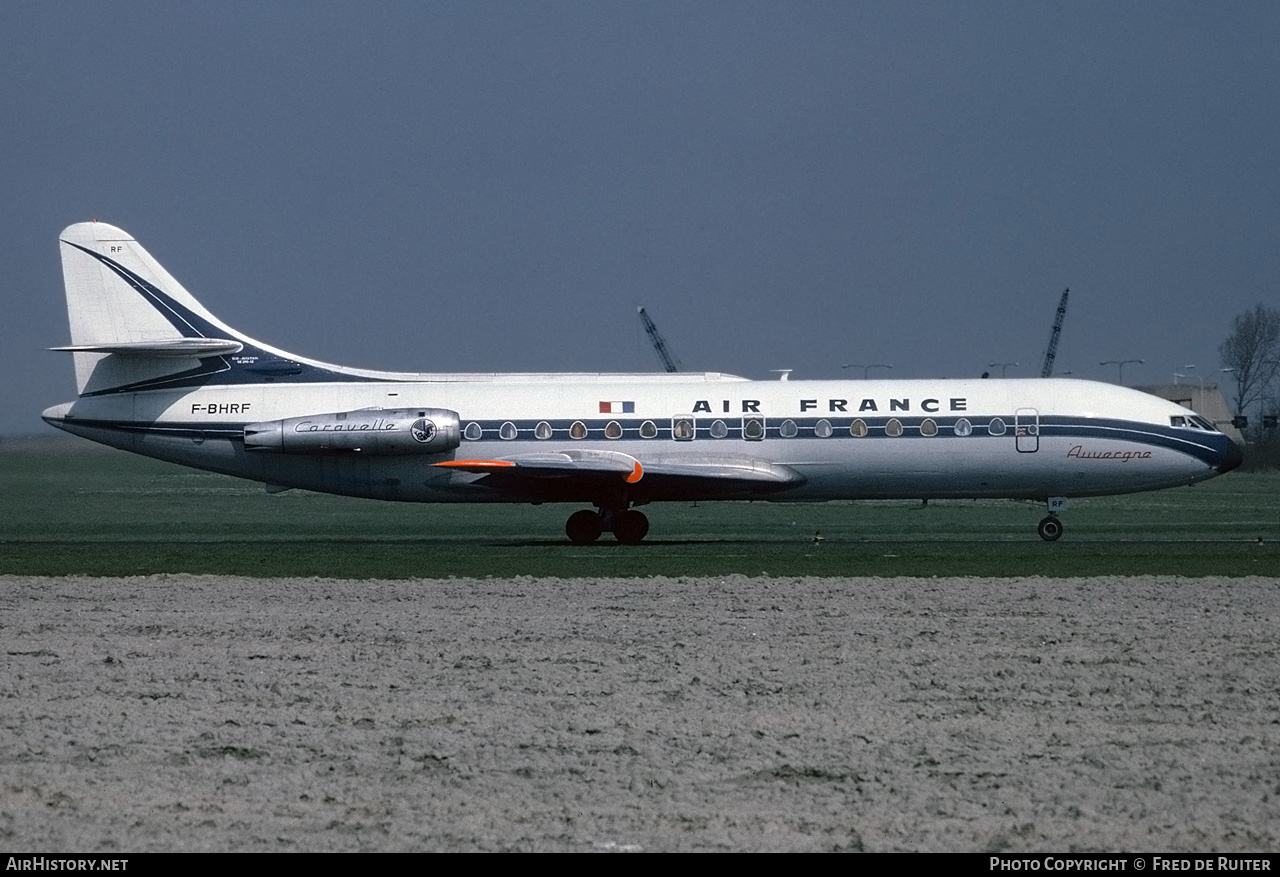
(753, 429)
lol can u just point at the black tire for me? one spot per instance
(1050, 529)
(630, 527)
(583, 527)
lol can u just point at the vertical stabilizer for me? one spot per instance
(121, 299)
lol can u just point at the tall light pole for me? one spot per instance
(1122, 363)
(1218, 372)
(1262, 400)
(1185, 368)
(1003, 366)
(867, 368)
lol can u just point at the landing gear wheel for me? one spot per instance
(584, 527)
(630, 527)
(1050, 529)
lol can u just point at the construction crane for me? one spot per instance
(669, 362)
(1052, 349)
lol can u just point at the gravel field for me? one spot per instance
(740, 714)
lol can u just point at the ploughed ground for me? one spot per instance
(1016, 714)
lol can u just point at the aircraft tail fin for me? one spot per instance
(133, 326)
(132, 323)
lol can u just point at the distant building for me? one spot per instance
(1206, 400)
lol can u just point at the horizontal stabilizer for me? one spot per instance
(200, 348)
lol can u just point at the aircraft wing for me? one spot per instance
(573, 473)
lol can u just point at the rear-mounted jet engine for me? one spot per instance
(383, 431)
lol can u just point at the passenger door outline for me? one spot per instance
(1026, 430)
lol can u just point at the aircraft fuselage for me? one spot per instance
(846, 439)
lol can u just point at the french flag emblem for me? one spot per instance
(617, 407)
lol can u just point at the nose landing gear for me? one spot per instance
(627, 525)
(1050, 528)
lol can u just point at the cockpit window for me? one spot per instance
(1191, 421)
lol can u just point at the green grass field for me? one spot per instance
(73, 508)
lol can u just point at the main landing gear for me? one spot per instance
(627, 525)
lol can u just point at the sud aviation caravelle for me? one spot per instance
(159, 375)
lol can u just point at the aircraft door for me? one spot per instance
(1026, 430)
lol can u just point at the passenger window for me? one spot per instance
(1177, 420)
(893, 427)
(613, 430)
(648, 429)
(682, 429)
(719, 430)
(822, 429)
(508, 431)
(472, 432)
(578, 430)
(788, 429)
(858, 429)
(542, 430)
(963, 427)
(995, 427)
(753, 428)
(928, 427)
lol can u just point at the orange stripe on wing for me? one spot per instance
(476, 464)
(636, 474)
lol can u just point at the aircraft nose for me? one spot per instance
(1232, 457)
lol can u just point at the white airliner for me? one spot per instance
(161, 376)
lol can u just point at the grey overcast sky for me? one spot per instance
(484, 186)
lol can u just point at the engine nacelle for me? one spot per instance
(382, 431)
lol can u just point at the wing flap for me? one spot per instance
(586, 463)
(745, 469)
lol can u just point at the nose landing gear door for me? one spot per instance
(1026, 430)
